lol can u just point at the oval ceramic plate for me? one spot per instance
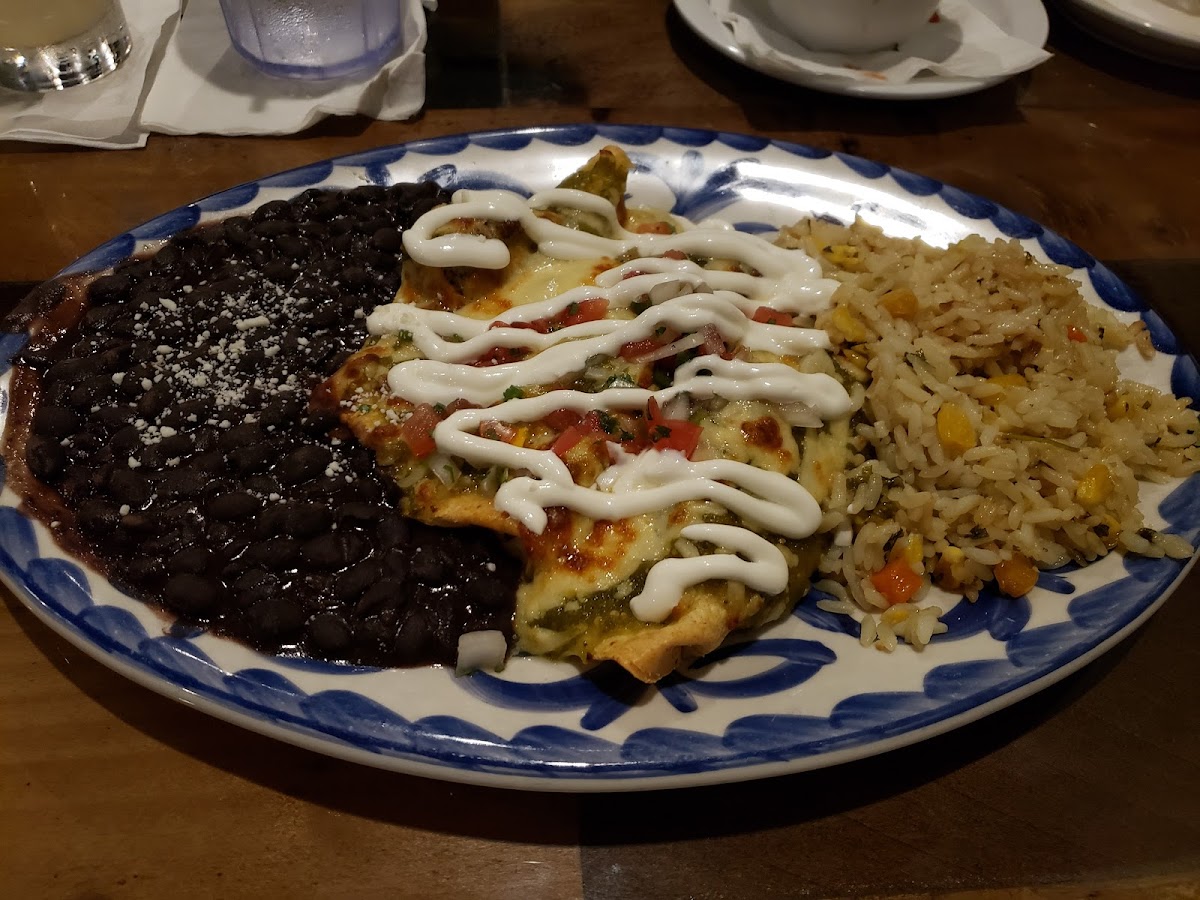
(801, 695)
(1150, 28)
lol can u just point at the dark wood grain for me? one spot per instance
(1091, 787)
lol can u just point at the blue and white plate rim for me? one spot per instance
(527, 732)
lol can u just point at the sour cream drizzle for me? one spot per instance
(685, 298)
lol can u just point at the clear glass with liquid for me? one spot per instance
(314, 38)
(48, 45)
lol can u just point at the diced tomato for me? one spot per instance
(671, 434)
(417, 430)
(496, 430)
(714, 344)
(635, 350)
(498, 356)
(538, 325)
(1076, 335)
(676, 434)
(592, 424)
(769, 316)
(897, 581)
(562, 419)
(591, 310)
(576, 313)
(566, 441)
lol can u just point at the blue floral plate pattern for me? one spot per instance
(801, 695)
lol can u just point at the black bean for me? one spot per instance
(139, 523)
(182, 483)
(329, 632)
(192, 594)
(240, 436)
(292, 246)
(397, 562)
(191, 560)
(387, 239)
(176, 445)
(234, 505)
(46, 459)
(97, 516)
(394, 531)
(126, 440)
(275, 617)
(253, 585)
(274, 553)
(429, 564)
(304, 519)
(281, 271)
(414, 635)
(335, 550)
(154, 401)
(304, 463)
(252, 459)
(379, 597)
(113, 418)
(103, 316)
(358, 512)
(367, 193)
(110, 288)
(56, 421)
(129, 487)
(350, 584)
(72, 370)
(273, 209)
(166, 259)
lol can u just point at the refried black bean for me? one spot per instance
(173, 421)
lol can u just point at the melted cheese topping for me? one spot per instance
(685, 298)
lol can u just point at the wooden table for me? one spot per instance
(1089, 788)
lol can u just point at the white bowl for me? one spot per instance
(852, 26)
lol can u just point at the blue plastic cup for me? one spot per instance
(314, 38)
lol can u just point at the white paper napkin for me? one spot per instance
(963, 43)
(105, 112)
(204, 87)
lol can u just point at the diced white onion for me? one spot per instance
(687, 342)
(480, 650)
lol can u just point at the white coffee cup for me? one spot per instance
(852, 26)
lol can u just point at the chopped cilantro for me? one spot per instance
(608, 422)
(404, 336)
(513, 393)
(439, 408)
(661, 432)
(619, 380)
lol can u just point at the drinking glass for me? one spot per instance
(48, 45)
(314, 38)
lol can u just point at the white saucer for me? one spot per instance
(1146, 27)
(1024, 19)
